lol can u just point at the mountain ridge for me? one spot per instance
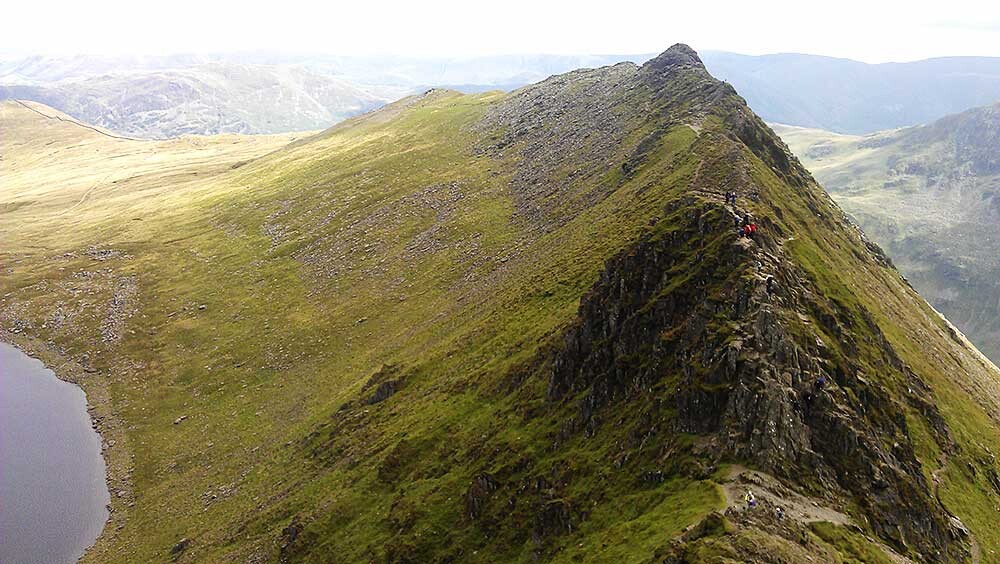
(465, 327)
(806, 90)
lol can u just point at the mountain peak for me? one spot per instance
(677, 56)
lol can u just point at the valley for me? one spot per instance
(929, 196)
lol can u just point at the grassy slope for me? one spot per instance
(59, 173)
(298, 352)
(305, 300)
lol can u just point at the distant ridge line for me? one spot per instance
(90, 127)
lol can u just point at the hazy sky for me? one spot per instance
(871, 30)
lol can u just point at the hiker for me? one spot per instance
(779, 512)
(750, 499)
(770, 285)
(746, 219)
(820, 383)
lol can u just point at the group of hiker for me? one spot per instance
(751, 501)
(745, 228)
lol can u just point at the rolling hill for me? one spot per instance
(497, 327)
(930, 196)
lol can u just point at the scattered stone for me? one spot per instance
(180, 547)
(120, 309)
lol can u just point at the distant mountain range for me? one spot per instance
(848, 96)
(40, 69)
(930, 196)
(174, 95)
(250, 92)
(408, 73)
(203, 99)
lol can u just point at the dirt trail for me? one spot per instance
(770, 492)
(974, 549)
(85, 194)
(766, 487)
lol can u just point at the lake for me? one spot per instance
(52, 488)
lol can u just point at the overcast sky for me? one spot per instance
(871, 30)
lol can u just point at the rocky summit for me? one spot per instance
(503, 327)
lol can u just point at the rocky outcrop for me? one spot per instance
(686, 315)
(581, 117)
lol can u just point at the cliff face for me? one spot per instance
(524, 327)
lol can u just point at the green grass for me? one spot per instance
(648, 519)
(852, 548)
(278, 349)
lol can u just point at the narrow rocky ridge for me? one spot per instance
(685, 315)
